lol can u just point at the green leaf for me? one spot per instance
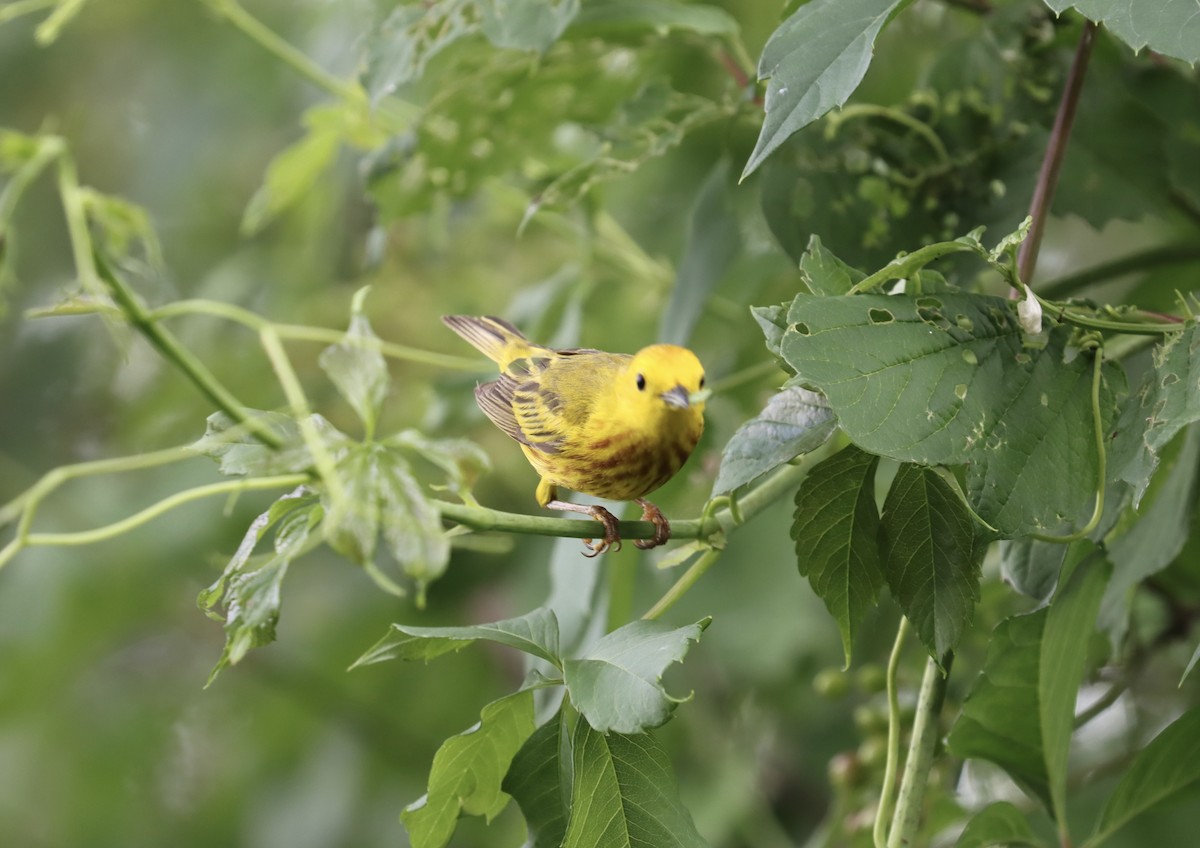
(293, 172)
(1191, 664)
(1031, 566)
(358, 370)
(624, 795)
(794, 422)
(998, 824)
(824, 273)
(468, 770)
(288, 506)
(239, 453)
(1170, 28)
(353, 530)
(662, 16)
(836, 530)
(526, 24)
(1157, 537)
(252, 602)
(1020, 712)
(1168, 400)
(617, 685)
(534, 633)
(1168, 765)
(713, 242)
(947, 380)
(535, 781)
(773, 321)
(463, 461)
(931, 557)
(404, 42)
(999, 720)
(1069, 626)
(412, 526)
(815, 60)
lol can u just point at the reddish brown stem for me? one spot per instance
(1043, 193)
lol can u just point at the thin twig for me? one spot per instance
(884, 811)
(1043, 193)
(920, 755)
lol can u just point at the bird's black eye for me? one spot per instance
(641, 381)
(702, 381)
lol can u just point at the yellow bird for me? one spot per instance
(606, 424)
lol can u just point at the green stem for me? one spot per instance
(1102, 703)
(12, 11)
(685, 582)
(266, 38)
(870, 110)
(907, 819)
(109, 531)
(77, 227)
(1061, 312)
(49, 148)
(1155, 257)
(884, 812)
(901, 265)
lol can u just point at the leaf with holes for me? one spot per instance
(947, 380)
(815, 60)
(623, 794)
(931, 557)
(836, 531)
(468, 770)
(617, 685)
(794, 422)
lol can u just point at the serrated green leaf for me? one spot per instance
(358, 370)
(617, 685)
(1170, 28)
(624, 795)
(1168, 765)
(815, 60)
(773, 321)
(1069, 626)
(468, 770)
(794, 422)
(1020, 713)
(412, 526)
(1158, 535)
(931, 557)
(713, 241)
(824, 273)
(836, 531)
(526, 24)
(999, 720)
(534, 780)
(1031, 566)
(1168, 400)
(534, 633)
(252, 602)
(998, 824)
(290, 505)
(662, 16)
(947, 380)
(353, 530)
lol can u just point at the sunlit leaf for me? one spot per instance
(836, 531)
(617, 684)
(534, 633)
(252, 610)
(468, 770)
(623, 794)
(814, 61)
(931, 557)
(357, 369)
(794, 422)
(411, 524)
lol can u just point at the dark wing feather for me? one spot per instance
(496, 401)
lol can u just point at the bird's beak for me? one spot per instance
(677, 398)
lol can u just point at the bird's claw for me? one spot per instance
(612, 536)
(662, 527)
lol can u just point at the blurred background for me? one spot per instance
(107, 736)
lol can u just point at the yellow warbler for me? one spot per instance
(606, 424)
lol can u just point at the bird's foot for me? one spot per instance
(612, 536)
(662, 527)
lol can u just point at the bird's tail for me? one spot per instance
(495, 338)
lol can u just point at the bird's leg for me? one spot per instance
(612, 536)
(662, 527)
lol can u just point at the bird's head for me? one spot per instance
(665, 379)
